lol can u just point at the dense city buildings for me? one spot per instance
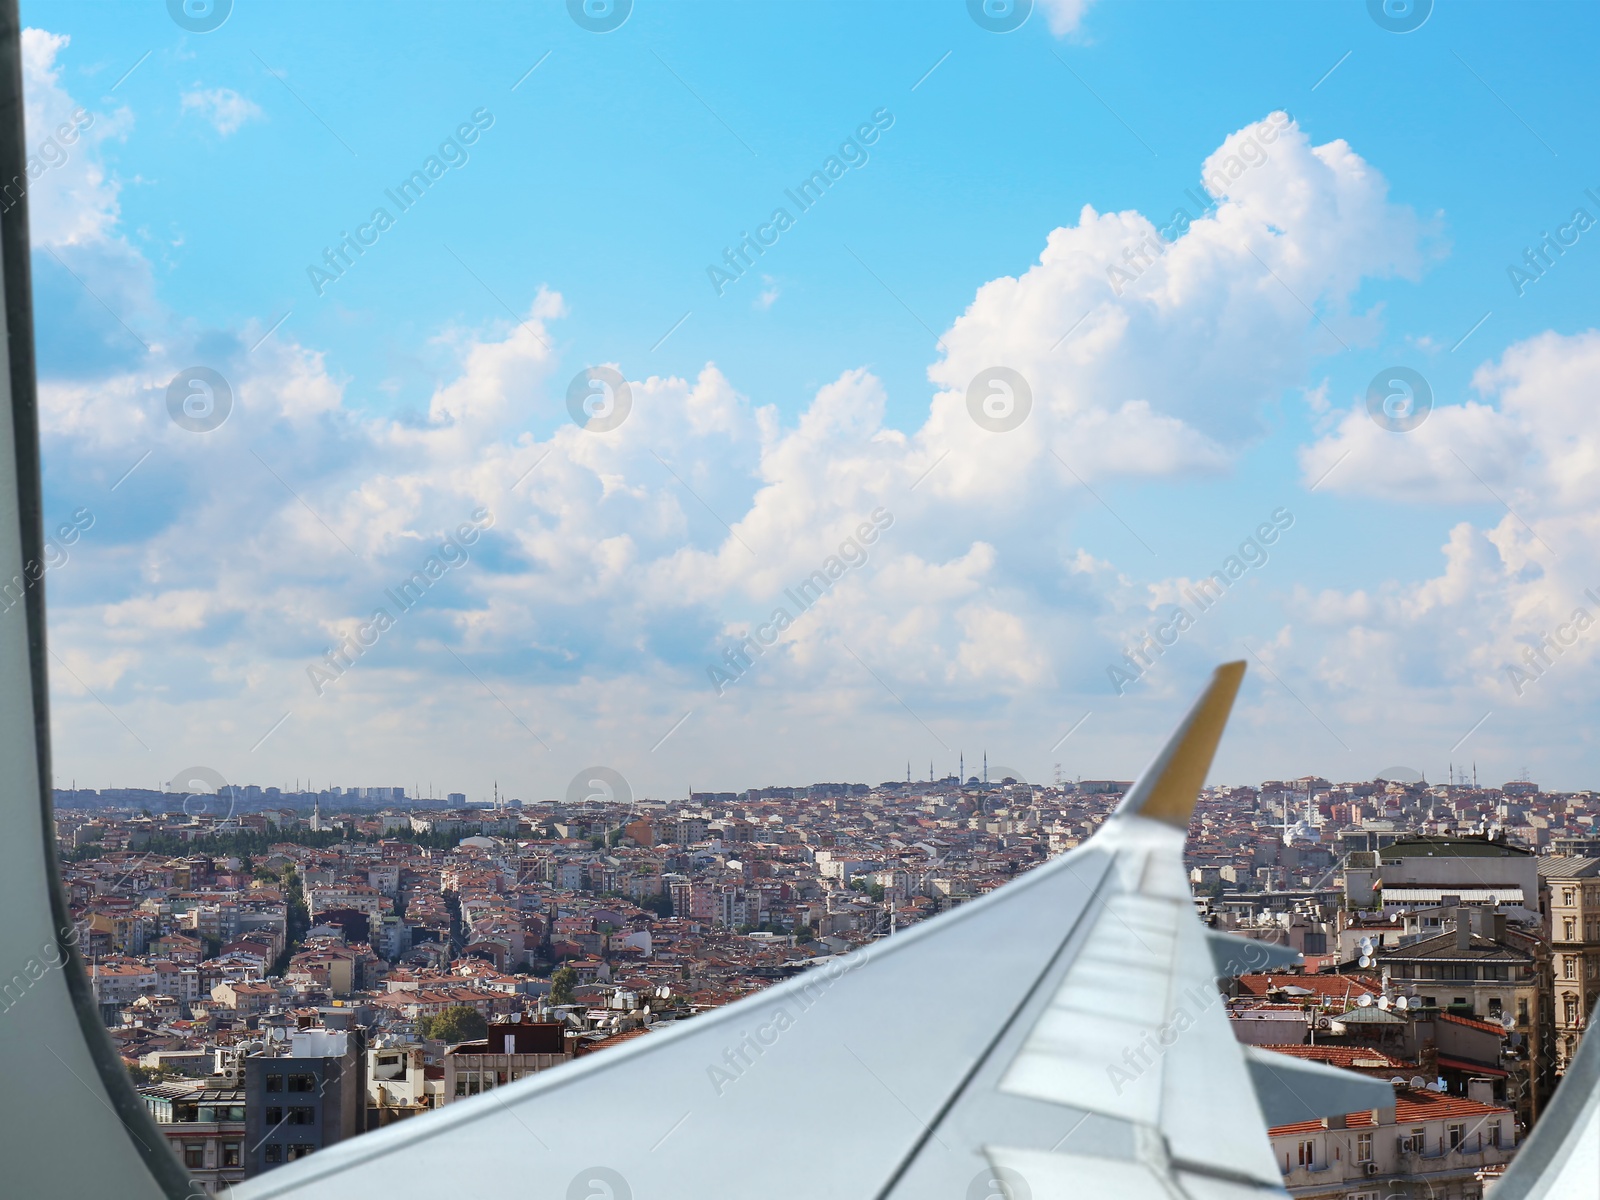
(285, 969)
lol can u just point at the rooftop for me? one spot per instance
(1348, 1057)
(1411, 1106)
(1560, 867)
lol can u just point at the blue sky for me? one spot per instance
(769, 420)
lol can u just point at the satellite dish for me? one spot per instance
(1383, 1003)
(1508, 1021)
(1366, 945)
(1402, 1003)
(1365, 1001)
(1365, 960)
(1393, 917)
(1418, 1082)
(1398, 1081)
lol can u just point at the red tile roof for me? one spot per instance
(1410, 1107)
(613, 1040)
(1348, 1057)
(1328, 987)
(1498, 1030)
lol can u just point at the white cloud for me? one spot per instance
(1535, 439)
(621, 564)
(1064, 15)
(224, 108)
(1528, 448)
(71, 200)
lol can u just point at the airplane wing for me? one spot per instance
(1061, 1036)
(1560, 1160)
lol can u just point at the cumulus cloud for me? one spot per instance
(224, 108)
(1525, 445)
(618, 567)
(1064, 15)
(1528, 431)
(72, 200)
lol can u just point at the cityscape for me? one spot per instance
(282, 969)
(984, 485)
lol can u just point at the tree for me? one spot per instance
(561, 985)
(143, 1076)
(461, 1023)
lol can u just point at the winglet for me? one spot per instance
(1169, 786)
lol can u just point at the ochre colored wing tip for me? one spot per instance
(1170, 785)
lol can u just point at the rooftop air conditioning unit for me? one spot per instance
(1372, 1168)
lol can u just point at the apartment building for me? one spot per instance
(400, 1084)
(1479, 967)
(204, 1123)
(1426, 1147)
(1420, 871)
(430, 1002)
(120, 983)
(302, 1095)
(1570, 899)
(1482, 969)
(511, 1050)
(244, 996)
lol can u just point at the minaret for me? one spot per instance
(961, 770)
(316, 813)
(985, 768)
